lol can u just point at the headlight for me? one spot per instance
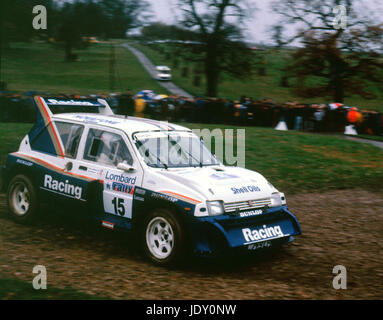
(215, 208)
(278, 199)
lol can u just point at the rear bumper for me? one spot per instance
(212, 235)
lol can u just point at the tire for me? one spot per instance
(162, 237)
(22, 200)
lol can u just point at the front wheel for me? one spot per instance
(162, 237)
(22, 199)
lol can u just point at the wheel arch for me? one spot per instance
(150, 205)
(17, 170)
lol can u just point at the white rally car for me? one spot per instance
(154, 178)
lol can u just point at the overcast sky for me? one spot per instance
(258, 27)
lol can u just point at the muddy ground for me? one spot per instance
(339, 228)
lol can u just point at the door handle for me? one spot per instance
(83, 168)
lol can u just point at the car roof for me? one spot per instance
(127, 124)
(163, 68)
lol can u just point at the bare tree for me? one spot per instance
(219, 26)
(341, 47)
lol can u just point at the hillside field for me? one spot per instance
(256, 86)
(41, 67)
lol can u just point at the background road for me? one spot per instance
(339, 228)
(151, 68)
(375, 143)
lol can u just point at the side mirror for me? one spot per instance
(125, 167)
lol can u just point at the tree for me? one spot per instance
(277, 35)
(105, 18)
(16, 20)
(16, 24)
(71, 27)
(123, 15)
(336, 60)
(218, 24)
(161, 31)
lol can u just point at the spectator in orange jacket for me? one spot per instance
(353, 116)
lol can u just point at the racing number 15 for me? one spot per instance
(119, 207)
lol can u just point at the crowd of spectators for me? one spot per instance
(243, 112)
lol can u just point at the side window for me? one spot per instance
(106, 148)
(70, 134)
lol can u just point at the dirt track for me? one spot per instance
(339, 228)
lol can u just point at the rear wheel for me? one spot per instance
(22, 199)
(162, 237)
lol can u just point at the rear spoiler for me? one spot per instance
(44, 135)
(86, 105)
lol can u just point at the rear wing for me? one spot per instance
(59, 105)
(44, 136)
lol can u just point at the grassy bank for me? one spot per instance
(40, 66)
(296, 162)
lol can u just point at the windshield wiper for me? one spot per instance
(158, 159)
(153, 155)
(187, 152)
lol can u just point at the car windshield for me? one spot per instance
(173, 150)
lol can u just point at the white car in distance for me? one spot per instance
(163, 73)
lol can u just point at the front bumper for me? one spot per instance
(212, 235)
